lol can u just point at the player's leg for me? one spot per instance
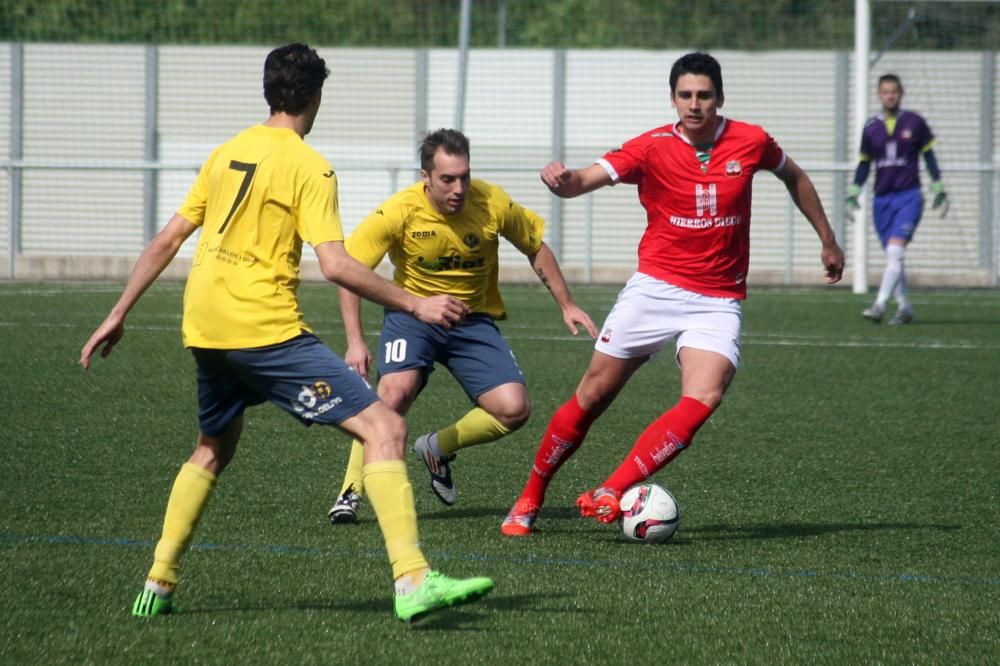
(345, 508)
(634, 331)
(896, 217)
(398, 391)
(894, 280)
(406, 359)
(483, 363)
(604, 379)
(316, 386)
(708, 355)
(499, 412)
(883, 213)
(905, 223)
(419, 590)
(222, 398)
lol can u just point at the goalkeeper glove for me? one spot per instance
(853, 192)
(940, 197)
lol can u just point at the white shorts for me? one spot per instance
(650, 312)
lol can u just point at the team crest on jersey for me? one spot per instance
(471, 240)
(734, 168)
(906, 134)
(606, 335)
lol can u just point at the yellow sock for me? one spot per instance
(476, 427)
(391, 496)
(188, 499)
(353, 476)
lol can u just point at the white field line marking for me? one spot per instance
(763, 339)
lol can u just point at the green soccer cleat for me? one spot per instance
(150, 604)
(439, 591)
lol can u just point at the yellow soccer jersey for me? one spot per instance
(256, 199)
(448, 254)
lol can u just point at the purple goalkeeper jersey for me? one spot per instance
(896, 156)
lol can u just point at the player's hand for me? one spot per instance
(853, 192)
(574, 316)
(442, 309)
(833, 261)
(941, 202)
(108, 334)
(358, 358)
(555, 175)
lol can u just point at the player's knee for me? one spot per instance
(514, 414)
(594, 397)
(396, 398)
(711, 398)
(213, 453)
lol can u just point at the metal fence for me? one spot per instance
(100, 143)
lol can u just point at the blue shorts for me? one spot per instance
(897, 214)
(301, 375)
(474, 352)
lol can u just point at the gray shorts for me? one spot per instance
(301, 376)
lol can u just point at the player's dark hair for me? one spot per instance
(293, 76)
(697, 63)
(890, 78)
(451, 141)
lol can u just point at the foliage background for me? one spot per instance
(647, 24)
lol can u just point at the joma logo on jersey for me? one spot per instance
(422, 234)
(450, 263)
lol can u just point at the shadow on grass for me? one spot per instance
(461, 618)
(556, 513)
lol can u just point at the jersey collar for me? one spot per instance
(718, 131)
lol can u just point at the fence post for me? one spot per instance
(16, 155)
(987, 258)
(841, 112)
(558, 146)
(151, 152)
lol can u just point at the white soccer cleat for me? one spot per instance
(440, 470)
(345, 509)
(875, 312)
(901, 317)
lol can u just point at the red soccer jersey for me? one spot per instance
(698, 216)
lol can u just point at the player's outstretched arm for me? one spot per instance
(357, 355)
(568, 183)
(154, 258)
(343, 269)
(546, 267)
(804, 194)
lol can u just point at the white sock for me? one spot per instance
(902, 293)
(893, 275)
(162, 591)
(405, 585)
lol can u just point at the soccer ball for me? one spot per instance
(649, 514)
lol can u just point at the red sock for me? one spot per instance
(567, 428)
(660, 443)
